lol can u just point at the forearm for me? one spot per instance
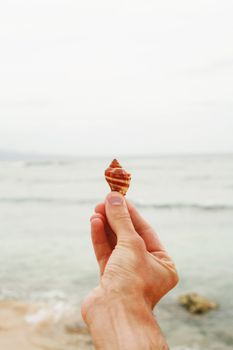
(124, 325)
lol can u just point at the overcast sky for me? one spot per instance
(116, 77)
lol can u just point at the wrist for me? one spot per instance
(119, 322)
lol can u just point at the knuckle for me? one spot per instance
(138, 242)
(176, 278)
(122, 216)
(135, 242)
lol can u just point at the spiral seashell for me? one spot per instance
(117, 178)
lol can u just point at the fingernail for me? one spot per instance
(93, 217)
(115, 200)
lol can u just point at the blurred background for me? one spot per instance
(83, 82)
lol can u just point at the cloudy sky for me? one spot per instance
(121, 77)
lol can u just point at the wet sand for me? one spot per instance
(27, 326)
(58, 326)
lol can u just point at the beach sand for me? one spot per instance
(32, 326)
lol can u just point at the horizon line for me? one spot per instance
(24, 154)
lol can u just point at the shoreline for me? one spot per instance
(29, 325)
(41, 326)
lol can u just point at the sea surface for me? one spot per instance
(45, 246)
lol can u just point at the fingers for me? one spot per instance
(100, 241)
(118, 215)
(149, 236)
(100, 208)
(147, 233)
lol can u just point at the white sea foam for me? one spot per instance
(50, 314)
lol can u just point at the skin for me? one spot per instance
(135, 273)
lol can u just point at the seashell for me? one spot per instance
(117, 178)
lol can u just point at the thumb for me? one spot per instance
(118, 215)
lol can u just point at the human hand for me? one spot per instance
(134, 266)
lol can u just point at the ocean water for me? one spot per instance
(46, 252)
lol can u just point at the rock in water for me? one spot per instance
(197, 304)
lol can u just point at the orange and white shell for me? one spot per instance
(117, 178)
